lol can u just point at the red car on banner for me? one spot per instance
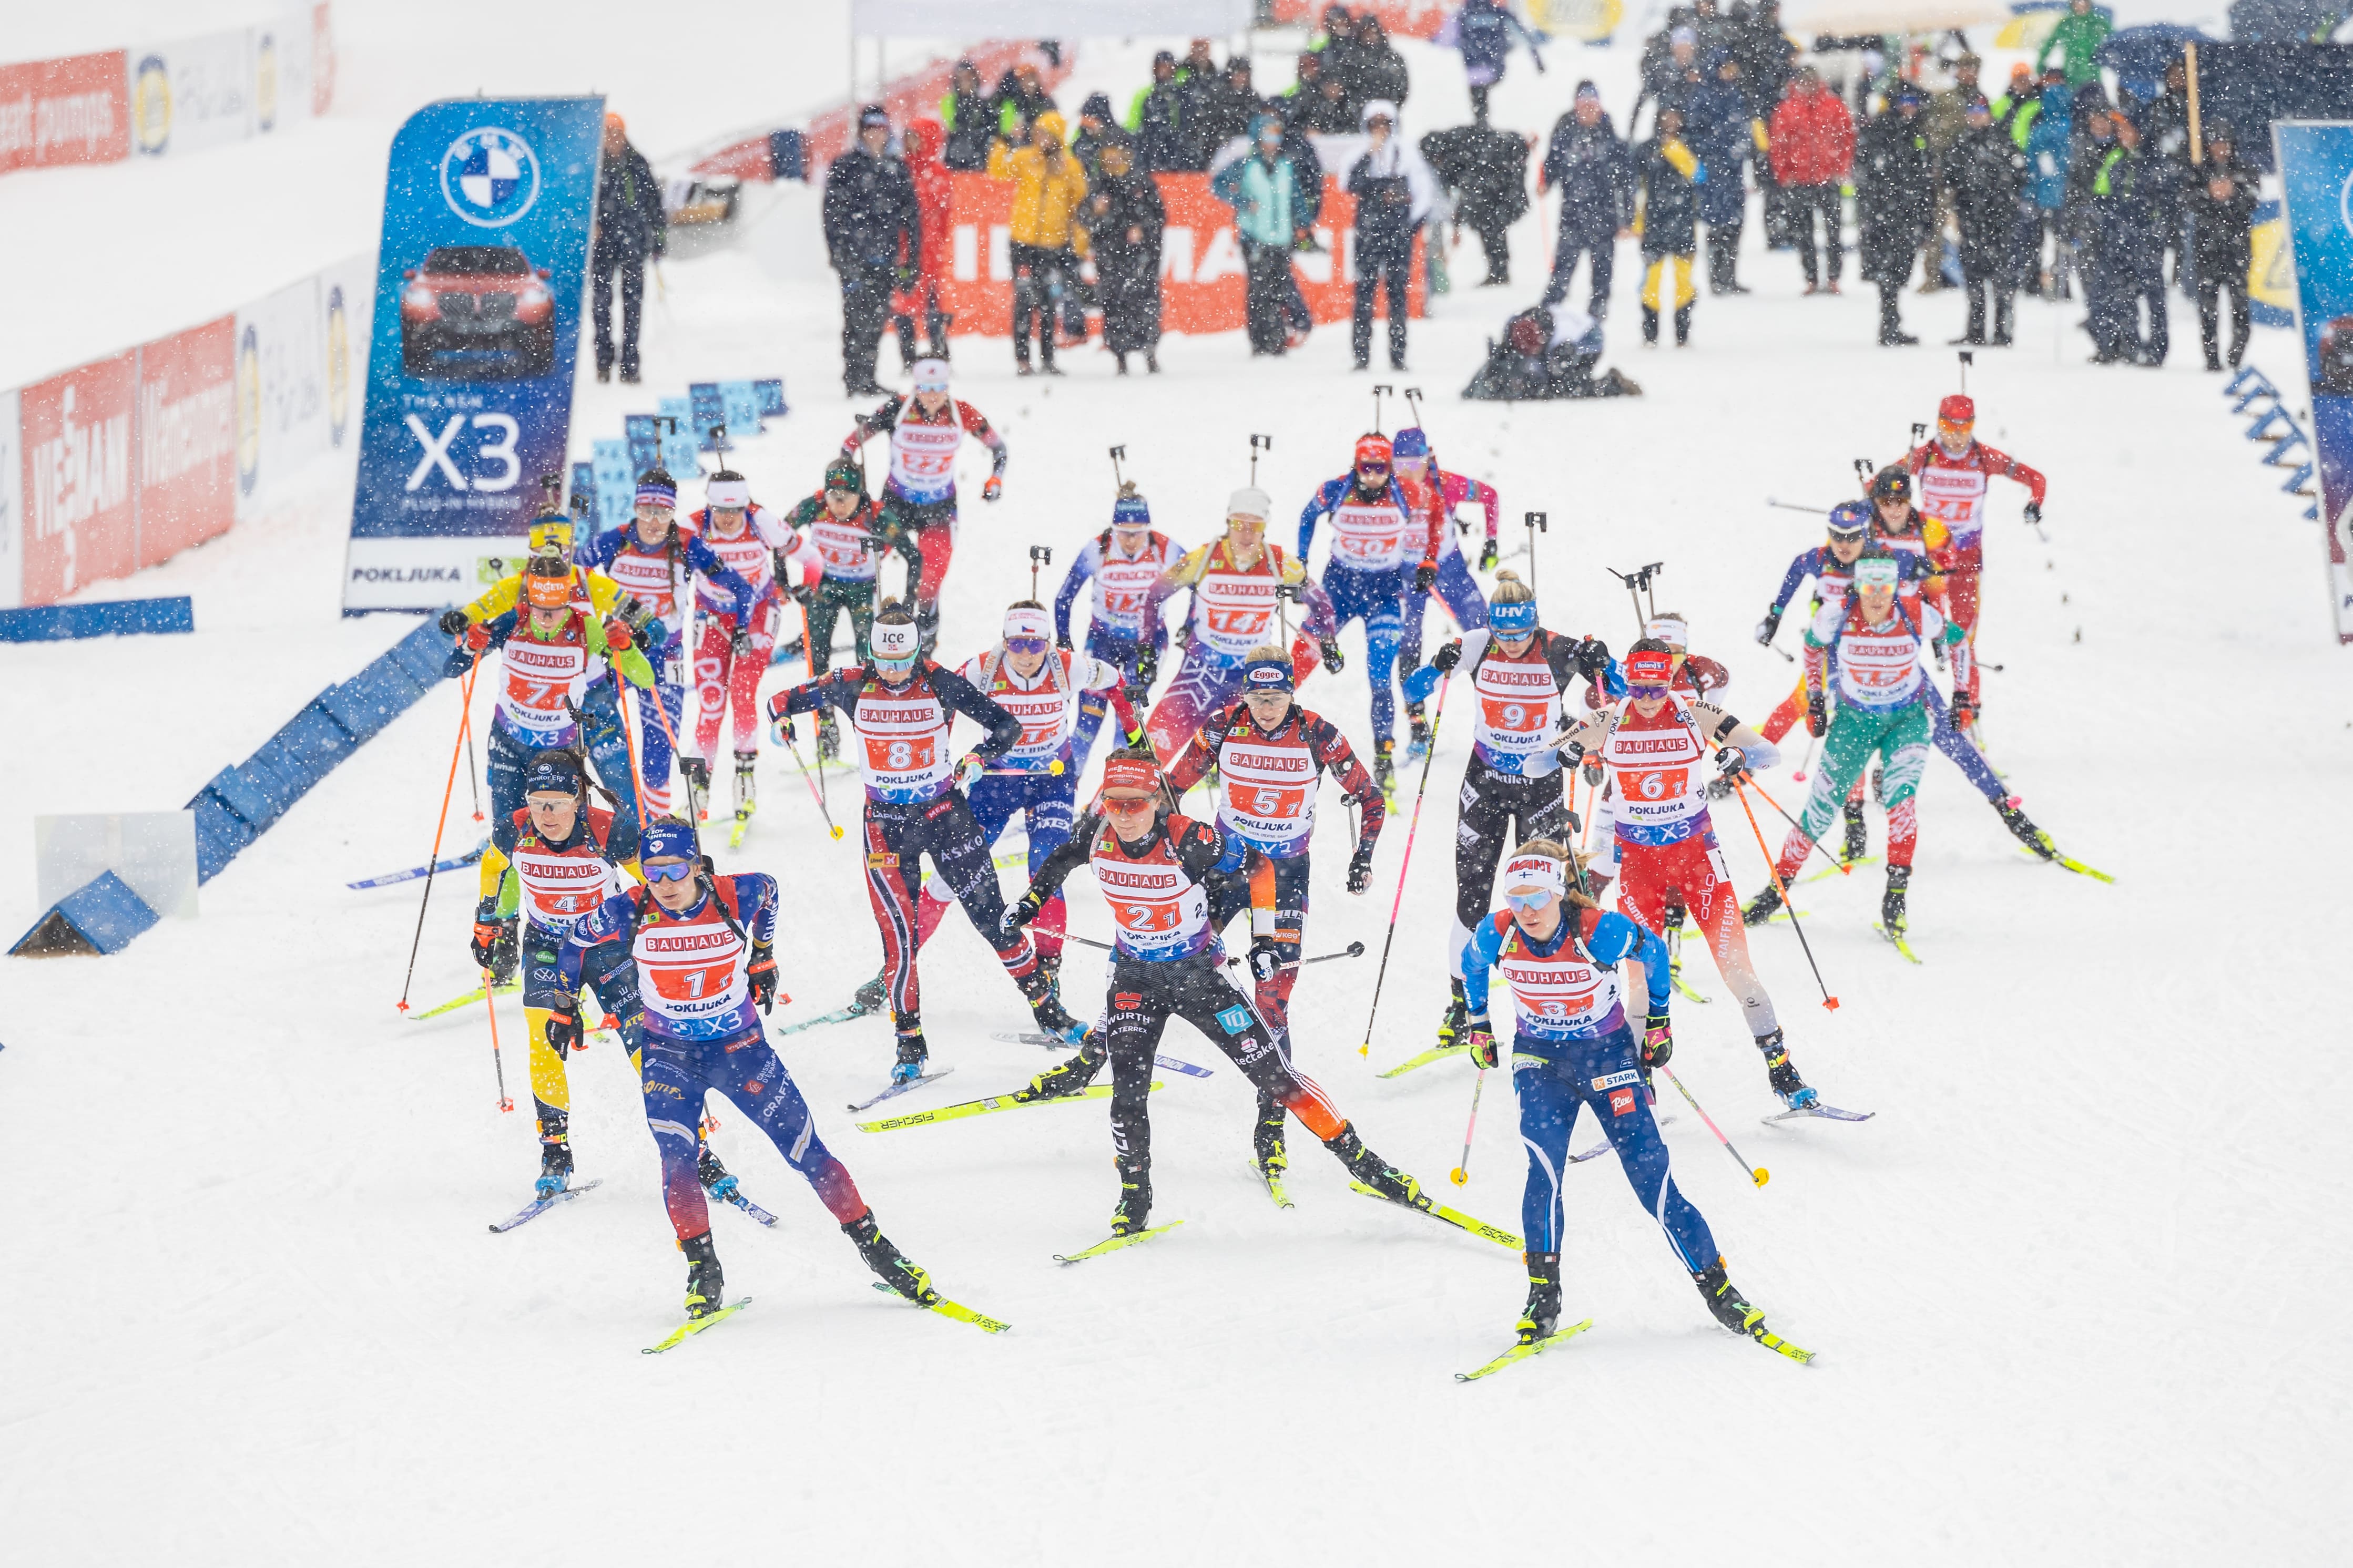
(476, 312)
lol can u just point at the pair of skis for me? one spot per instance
(940, 1304)
(1055, 1043)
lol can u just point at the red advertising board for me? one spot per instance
(1398, 18)
(80, 496)
(187, 431)
(73, 111)
(1203, 278)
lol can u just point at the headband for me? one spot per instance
(725, 493)
(1669, 628)
(1514, 618)
(1269, 675)
(666, 840)
(1649, 668)
(931, 375)
(547, 593)
(1130, 772)
(894, 640)
(1028, 621)
(654, 490)
(1533, 871)
(1881, 570)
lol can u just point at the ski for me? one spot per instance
(995, 1102)
(839, 1015)
(469, 858)
(1055, 1043)
(901, 1086)
(735, 1195)
(1895, 942)
(677, 1335)
(1273, 1182)
(1435, 1054)
(1604, 1146)
(1114, 1243)
(956, 1309)
(1518, 1354)
(1674, 974)
(1837, 870)
(1826, 1112)
(2067, 862)
(1773, 1342)
(1781, 914)
(538, 1206)
(468, 1000)
(742, 825)
(1439, 1211)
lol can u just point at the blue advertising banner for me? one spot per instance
(480, 279)
(2316, 166)
(679, 446)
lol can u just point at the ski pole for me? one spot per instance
(497, 1062)
(1812, 740)
(817, 784)
(1461, 1174)
(629, 739)
(831, 827)
(433, 861)
(1844, 867)
(1756, 1174)
(473, 773)
(1773, 869)
(1437, 714)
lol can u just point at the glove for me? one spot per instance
(804, 593)
(478, 637)
(1658, 1040)
(994, 489)
(617, 636)
(1446, 658)
(1062, 641)
(763, 975)
(1572, 752)
(1733, 764)
(1334, 661)
(1487, 556)
(1768, 629)
(564, 1025)
(1021, 912)
(780, 730)
(1593, 659)
(1481, 1043)
(2033, 512)
(1360, 868)
(1148, 670)
(907, 276)
(1817, 722)
(1965, 710)
(969, 770)
(1265, 963)
(1425, 577)
(486, 942)
(740, 644)
(453, 622)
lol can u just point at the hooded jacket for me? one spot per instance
(1812, 139)
(935, 200)
(1046, 191)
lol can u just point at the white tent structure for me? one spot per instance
(1047, 18)
(1805, 19)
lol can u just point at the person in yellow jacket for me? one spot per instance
(1669, 175)
(1048, 186)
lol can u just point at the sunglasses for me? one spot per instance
(1026, 645)
(885, 662)
(1124, 804)
(1527, 902)
(680, 872)
(1372, 467)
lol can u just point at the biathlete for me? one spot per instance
(1235, 582)
(1954, 472)
(666, 569)
(1122, 562)
(1383, 551)
(919, 498)
(1572, 1048)
(900, 707)
(739, 633)
(841, 522)
(1154, 866)
(1512, 788)
(700, 949)
(1429, 487)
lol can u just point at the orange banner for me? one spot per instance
(1203, 278)
(1398, 18)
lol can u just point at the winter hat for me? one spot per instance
(1096, 107)
(1958, 409)
(1027, 620)
(1891, 483)
(656, 486)
(1586, 89)
(1682, 35)
(1049, 127)
(1250, 501)
(1163, 57)
(895, 642)
(1130, 510)
(728, 489)
(1410, 443)
(1263, 123)
(1648, 666)
(1850, 520)
(667, 838)
(1671, 629)
(841, 473)
(1373, 448)
(873, 115)
(1513, 618)
(553, 772)
(547, 584)
(1378, 109)
(931, 375)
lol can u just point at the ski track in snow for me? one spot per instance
(2069, 1299)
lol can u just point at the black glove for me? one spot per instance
(1593, 659)
(1658, 1040)
(1147, 666)
(1487, 556)
(1769, 628)
(1425, 577)
(494, 945)
(1062, 641)
(1360, 867)
(1446, 658)
(1334, 661)
(741, 643)
(2033, 512)
(453, 622)
(763, 975)
(564, 1025)
(1818, 720)
(1265, 963)
(1731, 763)
(1021, 912)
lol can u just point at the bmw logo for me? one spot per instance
(489, 177)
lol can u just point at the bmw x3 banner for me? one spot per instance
(2316, 166)
(471, 344)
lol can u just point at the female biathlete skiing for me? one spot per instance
(1122, 562)
(840, 523)
(919, 498)
(1430, 488)
(739, 632)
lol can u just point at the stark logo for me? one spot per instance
(1235, 1019)
(1127, 1001)
(1621, 1101)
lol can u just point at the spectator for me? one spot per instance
(2126, 205)
(2050, 157)
(873, 239)
(1336, 37)
(1764, 55)
(1712, 30)
(1021, 98)
(1482, 31)
(1486, 171)
(1375, 71)
(1669, 172)
(1331, 113)
(1985, 176)
(1048, 186)
(2165, 128)
(1123, 218)
(2076, 41)
(1944, 118)
(1154, 117)
(1094, 119)
(1547, 352)
(933, 209)
(1678, 77)
(1812, 146)
(1307, 179)
(2221, 206)
(1198, 87)
(1389, 208)
(1724, 136)
(1595, 178)
(1306, 76)
(969, 114)
(1262, 188)
(628, 229)
(1229, 106)
(1894, 196)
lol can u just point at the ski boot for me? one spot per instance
(1540, 1316)
(1372, 1171)
(1071, 1076)
(2025, 832)
(1046, 1007)
(1858, 839)
(715, 1177)
(1266, 1139)
(890, 1265)
(867, 998)
(913, 1052)
(1783, 1073)
(746, 799)
(828, 739)
(698, 785)
(1417, 745)
(1457, 1015)
(1891, 903)
(704, 1282)
(554, 1155)
(1385, 764)
(1763, 907)
(1725, 1303)
(1135, 1210)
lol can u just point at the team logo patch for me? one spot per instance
(1126, 1001)
(1235, 1019)
(754, 1086)
(1616, 1079)
(879, 862)
(1621, 1101)
(489, 177)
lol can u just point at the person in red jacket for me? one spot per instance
(934, 204)
(1812, 149)
(1953, 474)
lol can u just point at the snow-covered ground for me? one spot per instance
(2072, 1290)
